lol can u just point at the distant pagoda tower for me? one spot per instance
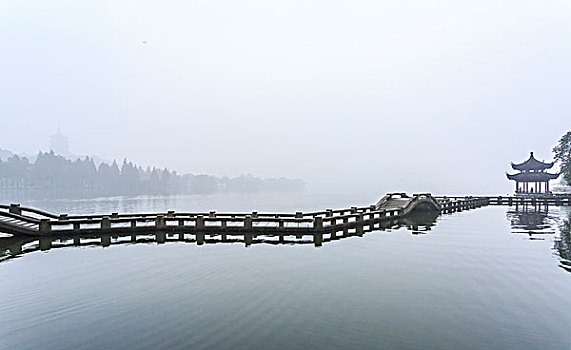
(532, 177)
(59, 144)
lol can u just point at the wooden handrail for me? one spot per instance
(20, 217)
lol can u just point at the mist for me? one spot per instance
(348, 96)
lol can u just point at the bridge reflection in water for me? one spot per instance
(538, 221)
(10, 247)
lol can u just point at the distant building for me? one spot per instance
(532, 177)
(59, 144)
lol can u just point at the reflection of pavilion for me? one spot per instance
(537, 221)
(530, 220)
(10, 247)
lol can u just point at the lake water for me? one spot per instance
(488, 278)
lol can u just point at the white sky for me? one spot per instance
(357, 95)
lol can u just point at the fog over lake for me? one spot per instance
(362, 95)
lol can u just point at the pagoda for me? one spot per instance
(532, 177)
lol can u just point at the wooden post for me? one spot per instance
(318, 239)
(160, 222)
(45, 243)
(318, 223)
(360, 221)
(16, 249)
(76, 226)
(161, 237)
(15, 209)
(200, 238)
(248, 222)
(106, 240)
(45, 225)
(105, 222)
(134, 223)
(199, 222)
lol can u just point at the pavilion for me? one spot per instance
(532, 177)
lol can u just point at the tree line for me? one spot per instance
(56, 174)
(563, 155)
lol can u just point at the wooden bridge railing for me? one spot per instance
(39, 222)
(50, 223)
(20, 217)
(172, 220)
(563, 200)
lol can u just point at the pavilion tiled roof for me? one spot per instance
(532, 177)
(532, 164)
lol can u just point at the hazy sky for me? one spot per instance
(382, 95)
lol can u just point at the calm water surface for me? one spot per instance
(490, 278)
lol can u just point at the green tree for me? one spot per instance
(563, 155)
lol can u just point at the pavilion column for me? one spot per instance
(516, 186)
(546, 186)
